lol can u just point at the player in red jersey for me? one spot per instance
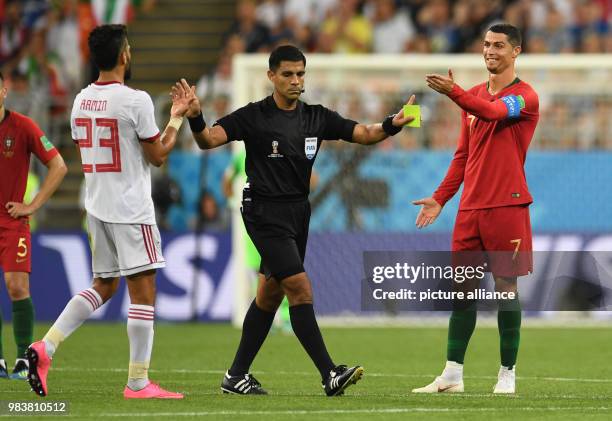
(497, 123)
(20, 137)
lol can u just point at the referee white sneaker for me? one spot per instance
(506, 381)
(450, 381)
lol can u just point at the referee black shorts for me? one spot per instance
(279, 231)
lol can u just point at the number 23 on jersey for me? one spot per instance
(112, 142)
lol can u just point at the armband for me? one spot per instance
(197, 123)
(388, 127)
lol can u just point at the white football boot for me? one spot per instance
(506, 381)
(450, 381)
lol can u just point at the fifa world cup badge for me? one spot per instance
(275, 153)
(8, 147)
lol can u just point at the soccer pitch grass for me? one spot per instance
(563, 373)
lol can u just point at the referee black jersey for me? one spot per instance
(281, 146)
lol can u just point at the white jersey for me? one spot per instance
(108, 121)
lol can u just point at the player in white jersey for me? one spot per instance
(115, 130)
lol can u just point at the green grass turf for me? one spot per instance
(564, 373)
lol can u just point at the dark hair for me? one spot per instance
(105, 44)
(513, 33)
(1, 77)
(285, 53)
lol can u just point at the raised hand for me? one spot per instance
(180, 100)
(439, 83)
(430, 209)
(399, 120)
(195, 107)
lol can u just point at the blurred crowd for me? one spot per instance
(44, 58)
(408, 26)
(423, 26)
(43, 51)
(420, 26)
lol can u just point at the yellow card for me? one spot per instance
(415, 111)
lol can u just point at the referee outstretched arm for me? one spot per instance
(370, 134)
(212, 137)
(282, 137)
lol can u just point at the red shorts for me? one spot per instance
(504, 233)
(15, 249)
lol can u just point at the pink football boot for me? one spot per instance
(39, 363)
(151, 391)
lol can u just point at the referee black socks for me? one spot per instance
(255, 328)
(307, 331)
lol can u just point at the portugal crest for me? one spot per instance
(8, 147)
(310, 147)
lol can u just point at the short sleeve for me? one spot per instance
(73, 130)
(337, 127)
(38, 143)
(144, 117)
(239, 124)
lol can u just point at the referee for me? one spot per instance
(282, 136)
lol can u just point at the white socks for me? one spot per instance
(78, 309)
(453, 372)
(140, 334)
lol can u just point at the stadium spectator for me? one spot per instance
(553, 34)
(217, 83)
(309, 12)
(165, 192)
(589, 23)
(303, 18)
(63, 45)
(346, 30)
(14, 36)
(434, 20)
(35, 14)
(210, 216)
(392, 28)
(464, 29)
(255, 35)
(270, 13)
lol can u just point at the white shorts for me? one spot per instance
(123, 249)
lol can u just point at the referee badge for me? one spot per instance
(310, 147)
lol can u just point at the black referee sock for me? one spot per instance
(307, 331)
(255, 328)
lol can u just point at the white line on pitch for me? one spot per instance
(306, 373)
(331, 412)
(351, 411)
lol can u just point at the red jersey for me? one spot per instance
(19, 137)
(495, 134)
